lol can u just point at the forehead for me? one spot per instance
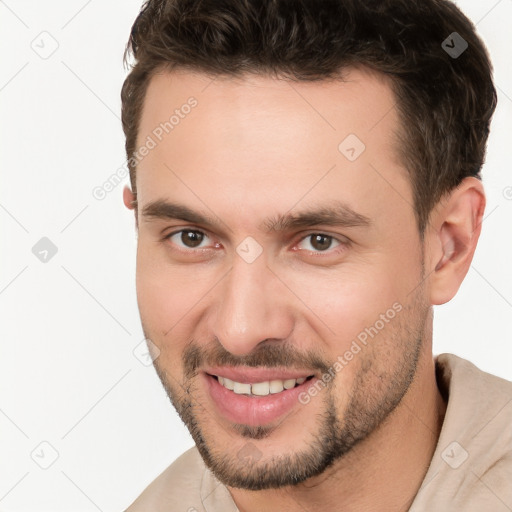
(267, 140)
(359, 101)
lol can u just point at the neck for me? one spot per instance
(382, 472)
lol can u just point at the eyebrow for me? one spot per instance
(335, 213)
(161, 209)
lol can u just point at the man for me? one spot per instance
(305, 183)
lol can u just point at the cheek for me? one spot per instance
(162, 294)
(170, 297)
(163, 308)
(349, 300)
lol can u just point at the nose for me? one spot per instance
(251, 307)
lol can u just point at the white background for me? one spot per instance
(68, 373)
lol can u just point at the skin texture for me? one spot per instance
(252, 149)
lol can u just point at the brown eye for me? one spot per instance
(192, 239)
(320, 242)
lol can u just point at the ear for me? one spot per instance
(129, 201)
(453, 232)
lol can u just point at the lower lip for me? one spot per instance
(254, 410)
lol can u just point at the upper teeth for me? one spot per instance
(260, 388)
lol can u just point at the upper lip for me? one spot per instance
(247, 375)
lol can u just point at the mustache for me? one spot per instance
(269, 354)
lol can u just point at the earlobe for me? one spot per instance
(454, 233)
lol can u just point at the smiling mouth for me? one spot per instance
(265, 388)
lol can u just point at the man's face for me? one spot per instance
(273, 248)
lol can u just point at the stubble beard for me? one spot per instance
(377, 389)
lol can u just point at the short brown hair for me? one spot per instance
(445, 103)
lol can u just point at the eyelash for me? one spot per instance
(342, 244)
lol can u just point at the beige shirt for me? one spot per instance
(471, 469)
